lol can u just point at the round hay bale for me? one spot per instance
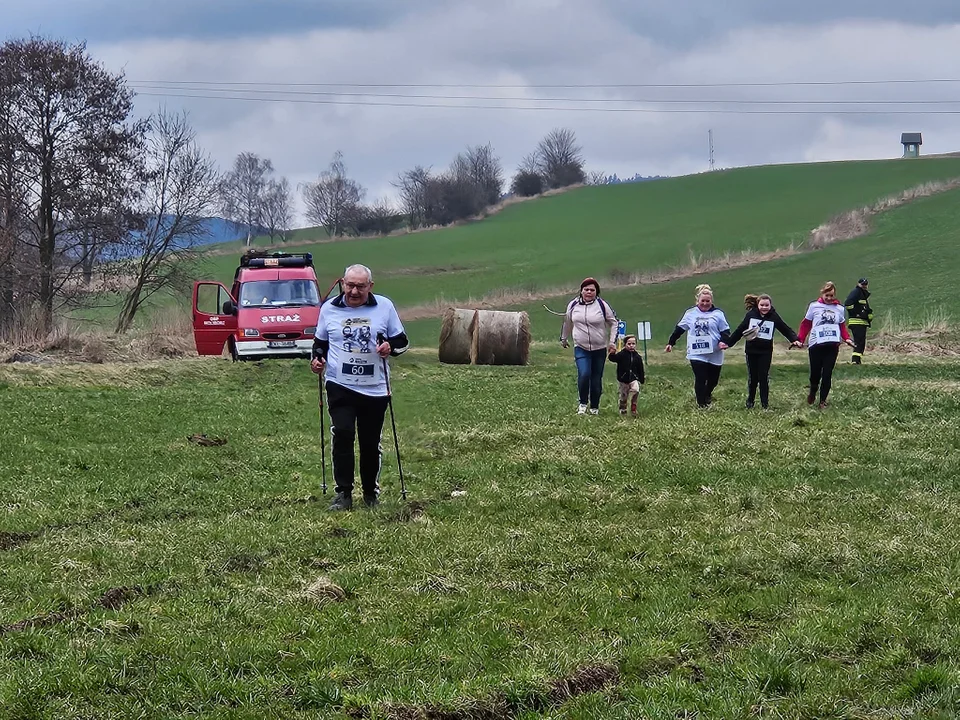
(456, 335)
(501, 338)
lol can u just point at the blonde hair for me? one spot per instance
(703, 289)
(828, 285)
(751, 301)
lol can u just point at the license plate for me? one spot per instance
(281, 343)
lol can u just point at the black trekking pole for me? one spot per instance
(396, 443)
(323, 440)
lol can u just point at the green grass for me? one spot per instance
(552, 242)
(555, 241)
(791, 563)
(910, 257)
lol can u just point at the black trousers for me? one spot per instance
(859, 333)
(705, 378)
(758, 373)
(355, 416)
(823, 358)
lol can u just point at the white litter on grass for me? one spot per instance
(458, 493)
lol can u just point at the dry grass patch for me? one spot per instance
(856, 223)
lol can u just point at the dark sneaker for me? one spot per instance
(810, 399)
(749, 404)
(370, 501)
(765, 406)
(823, 405)
(342, 502)
(855, 360)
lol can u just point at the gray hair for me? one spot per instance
(360, 268)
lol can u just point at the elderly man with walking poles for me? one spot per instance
(356, 332)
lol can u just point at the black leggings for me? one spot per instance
(356, 417)
(823, 358)
(705, 378)
(758, 373)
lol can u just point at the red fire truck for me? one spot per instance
(271, 310)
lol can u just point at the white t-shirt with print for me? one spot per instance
(703, 334)
(826, 321)
(352, 360)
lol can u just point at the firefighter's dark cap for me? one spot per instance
(862, 281)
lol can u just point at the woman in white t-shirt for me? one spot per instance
(824, 327)
(708, 333)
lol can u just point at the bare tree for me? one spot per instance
(529, 164)
(413, 186)
(278, 209)
(243, 190)
(71, 147)
(483, 168)
(379, 217)
(11, 203)
(182, 186)
(333, 201)
(597, 177)
(560, 159)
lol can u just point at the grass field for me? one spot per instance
(725, 563)
(547, 242)
(791, 563)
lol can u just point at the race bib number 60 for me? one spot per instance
(359, 372)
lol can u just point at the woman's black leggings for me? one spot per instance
(705, 378)
(823, 358)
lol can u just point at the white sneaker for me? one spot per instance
(594, 411)
(581, 409)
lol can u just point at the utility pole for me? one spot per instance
(710, 136)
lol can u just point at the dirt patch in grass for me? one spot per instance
(13, 540)
(411, 512)
(43, 620)
(555, 692)
(112, 599)
(117, 597)
(430, 270)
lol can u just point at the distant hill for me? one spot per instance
(217, 230)
(220, 230)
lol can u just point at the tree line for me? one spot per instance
(87, 190)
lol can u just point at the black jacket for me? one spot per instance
(858, 308)
(629, 366)
(760, 345)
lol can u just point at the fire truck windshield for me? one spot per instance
(279, 293)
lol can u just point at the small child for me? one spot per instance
(630, 374)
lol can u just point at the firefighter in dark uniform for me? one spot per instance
(860, 317)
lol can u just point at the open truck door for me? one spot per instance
(214, 317)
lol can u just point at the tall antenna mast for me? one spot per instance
(710, 136)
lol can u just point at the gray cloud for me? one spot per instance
(564, 42)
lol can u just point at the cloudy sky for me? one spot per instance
(396, 83)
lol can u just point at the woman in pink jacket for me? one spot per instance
(594, 327)
(824, 327)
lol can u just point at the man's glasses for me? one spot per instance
(356, 286)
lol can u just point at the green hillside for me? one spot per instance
(553, 241)
(911, 257)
